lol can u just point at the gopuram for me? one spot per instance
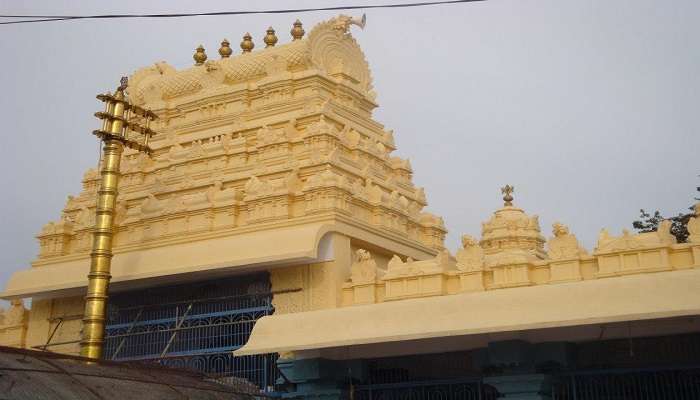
(271, 235)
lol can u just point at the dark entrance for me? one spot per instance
(195, 325)
(646, 368)
(445, 376)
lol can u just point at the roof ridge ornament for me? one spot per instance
(270, 38)
(343, 22)
(507, 190)
(200, 56)
(247, 44)
(225, 50)
(297, 30)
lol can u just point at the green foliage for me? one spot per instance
(650, 223)
(679, 224)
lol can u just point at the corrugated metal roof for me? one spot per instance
(36, 375)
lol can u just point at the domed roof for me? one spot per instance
(511, 229)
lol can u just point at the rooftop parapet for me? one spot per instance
(329, 49)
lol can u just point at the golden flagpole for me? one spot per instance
(113, 134)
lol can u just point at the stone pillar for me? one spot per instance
(319, 378)
(39, 327)
(321, 283)
(522, 387)
(520, 364)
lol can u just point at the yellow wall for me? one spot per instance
(419, 280)
(62, 316)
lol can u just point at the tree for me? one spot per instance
(650, 223)
(679, 223)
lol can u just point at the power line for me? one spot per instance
(48, 18)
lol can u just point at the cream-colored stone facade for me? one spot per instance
(271, 160)
(13, 324)
(512, 253)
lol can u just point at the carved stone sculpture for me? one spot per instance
(399, 269)
(563, 245)
(16, 314)
(151, 206)
(217, 195)
(85, 218)
(120, 212)
(364, 269)
(661, 237)
(471, 256)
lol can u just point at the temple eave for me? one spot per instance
(640, 297)
(281, 244)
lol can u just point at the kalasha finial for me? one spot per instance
(247, 43)
(507, 190)
(225, 50)
(270, 39)
(199, 56)
(297, 31)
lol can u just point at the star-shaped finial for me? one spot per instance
(507, 190)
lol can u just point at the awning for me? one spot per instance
(213, 255)
(289, 245)
(627, 298)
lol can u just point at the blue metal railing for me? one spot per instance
(195, 326)
(670, 383)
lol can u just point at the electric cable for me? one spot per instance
(49, 18)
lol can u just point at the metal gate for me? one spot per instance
(195, 326)
(629, 384)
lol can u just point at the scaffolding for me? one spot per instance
(193, 326)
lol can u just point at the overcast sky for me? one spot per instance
(589, 108)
